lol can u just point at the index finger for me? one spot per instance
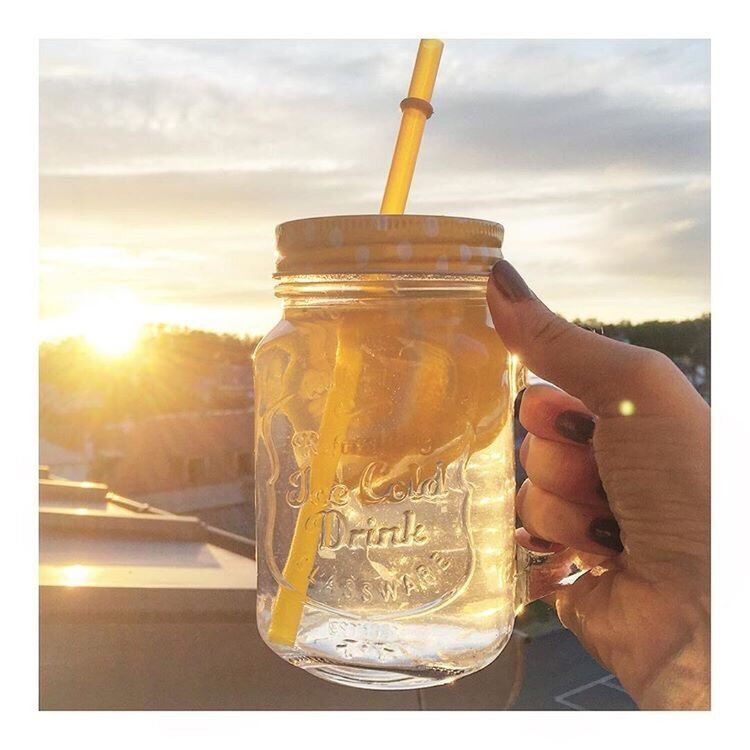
(548, 412)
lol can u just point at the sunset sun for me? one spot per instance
(112, 324)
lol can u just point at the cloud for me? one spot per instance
(181, 156)
(537, 105)
(577, 132)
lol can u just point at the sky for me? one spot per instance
(166, 165)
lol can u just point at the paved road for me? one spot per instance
(559, 675)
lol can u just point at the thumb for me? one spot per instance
(603, 373)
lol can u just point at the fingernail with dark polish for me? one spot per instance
(606, 532)
(575, 425)
(509, 282)
(539, 542)
(517, 405)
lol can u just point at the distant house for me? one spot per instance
(235, 381)
(54, 399)
(228, 386)
(175, 451)
(199, 463)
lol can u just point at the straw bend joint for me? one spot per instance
(414, 102)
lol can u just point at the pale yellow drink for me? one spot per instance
(402, 516)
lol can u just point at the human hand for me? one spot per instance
(619, 468)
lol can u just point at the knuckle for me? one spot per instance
(551, 329)
(649, 365)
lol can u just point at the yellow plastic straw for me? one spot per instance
(286, 612)
(412, 127)
(287, 608)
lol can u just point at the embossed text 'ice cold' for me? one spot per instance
(432, 488)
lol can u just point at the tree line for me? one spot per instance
(81, 390)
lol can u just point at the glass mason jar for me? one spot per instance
(384, 454)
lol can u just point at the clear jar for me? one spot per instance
(384, 453)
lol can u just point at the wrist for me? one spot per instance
(683, 680)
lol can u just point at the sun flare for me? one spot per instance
(111, 324)
(113, 340)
